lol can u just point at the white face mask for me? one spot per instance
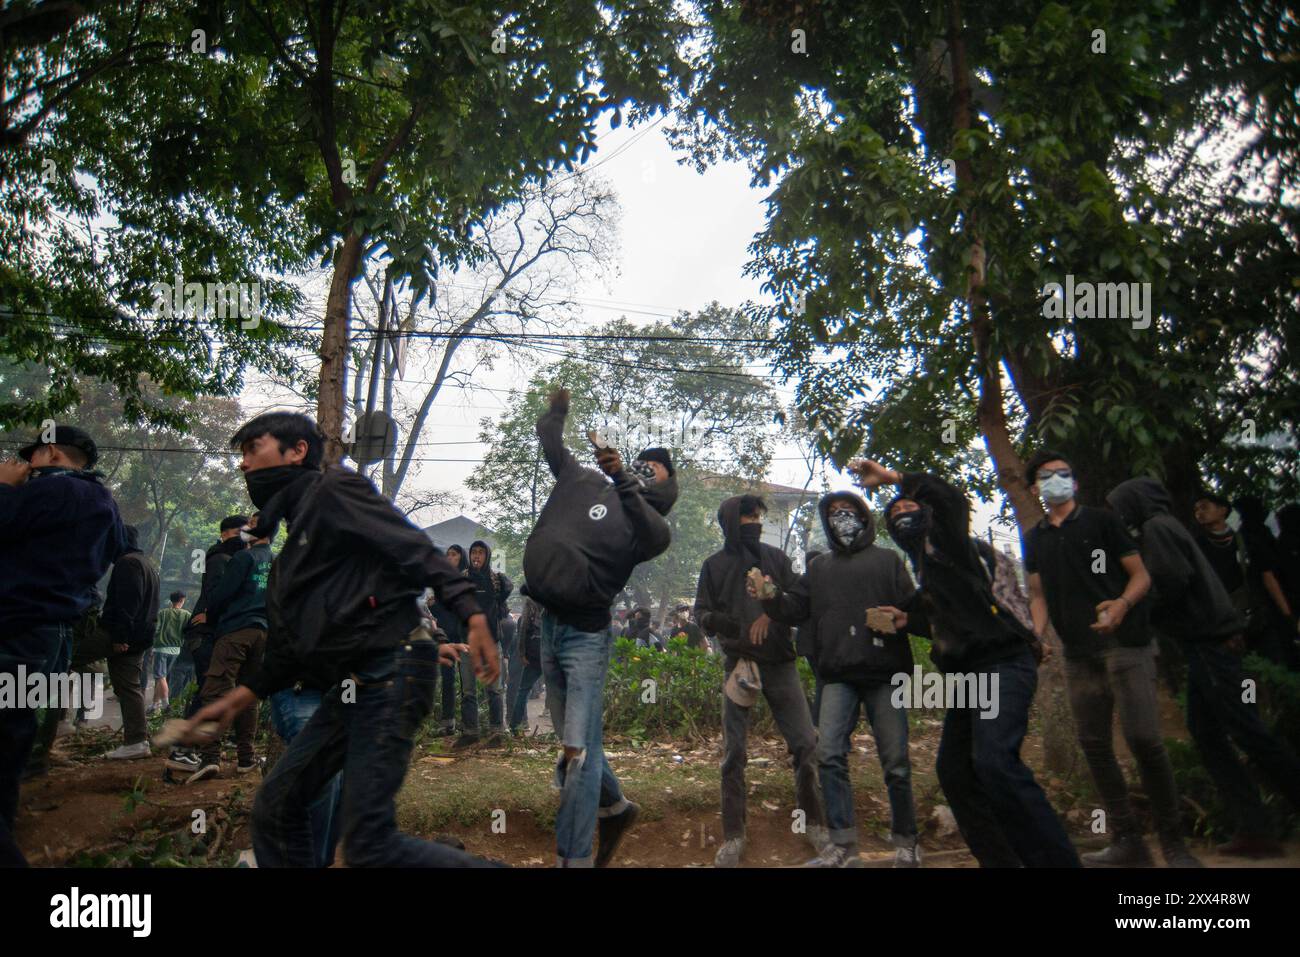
(1056, 489)
(247, 537)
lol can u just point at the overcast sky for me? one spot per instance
(684, 244)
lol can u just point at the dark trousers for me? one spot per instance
(236, 657)
(1124, 680)
(1001, 811)
(124, 673)
(1217, 719)
(202, 661)
(370, 740)
(33, 651)
(785, 697)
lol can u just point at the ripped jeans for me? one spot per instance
(575, 664)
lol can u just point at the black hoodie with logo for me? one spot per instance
(1189, 599)
(832, 597)
(591, 533)
(722, 603)
(491, 589)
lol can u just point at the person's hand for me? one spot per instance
(752, 587)
(900, 616)
(121, 649)
(15, 472)
(870, 474)
(223, 711)
(1112, 612)
(758, 630)
(449, 654)
(483, 649)
(559, 400)
(199, 619)
(610, 462)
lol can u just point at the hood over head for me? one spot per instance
(662, 495)
(1252, 510)
(487, 558)
(865, 537)
(1139, 499)
(132, 538)
(462, 552)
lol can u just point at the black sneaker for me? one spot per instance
(242, 768)
(186, 761)
(203, 773)
(612, 829)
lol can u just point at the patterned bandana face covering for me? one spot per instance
(643, 472)
(846, 525)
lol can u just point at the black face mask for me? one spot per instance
(264, 483)
(909, 529)
(751, 532)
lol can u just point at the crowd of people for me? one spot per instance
(355, 623)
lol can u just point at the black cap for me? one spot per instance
(68, 435)
(659, 455)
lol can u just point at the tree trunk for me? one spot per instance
(1059, 742)
(334, 348)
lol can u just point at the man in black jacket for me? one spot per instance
(491, 589)
(447, 620)
(1192, 606)
(858, 665)
(126, 630)
(342, 605)
(756, 644)
(591, 534)
(48, 495)
(1001, 811)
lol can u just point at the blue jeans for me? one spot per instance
(290, 712)
(37, 650)
(575, 664)
(1001, 811)
(839, 716)
(182, 673)
(370, 741)
(519, 711)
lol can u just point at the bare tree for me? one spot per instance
(532, 256)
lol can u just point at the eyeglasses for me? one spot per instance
(1048, 473)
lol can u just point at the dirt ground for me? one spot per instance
(91, 812)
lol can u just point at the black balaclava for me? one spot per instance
(263, 484)
(909, 529)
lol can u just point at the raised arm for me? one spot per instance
(550, 430)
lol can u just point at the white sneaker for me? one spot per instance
(908, 856)
(836, 855)
(730, 852)
(818, 836)
(130, 752)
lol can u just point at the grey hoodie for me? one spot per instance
(1188, 598)
(833, 596)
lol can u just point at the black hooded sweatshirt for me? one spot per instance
(346, 582)
(130, 612)
(214, 566)
(832, 597)
(591, 534)
(1188, 597)
(722, 603)
(491, 589)
(954, 605)
(444, 617)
